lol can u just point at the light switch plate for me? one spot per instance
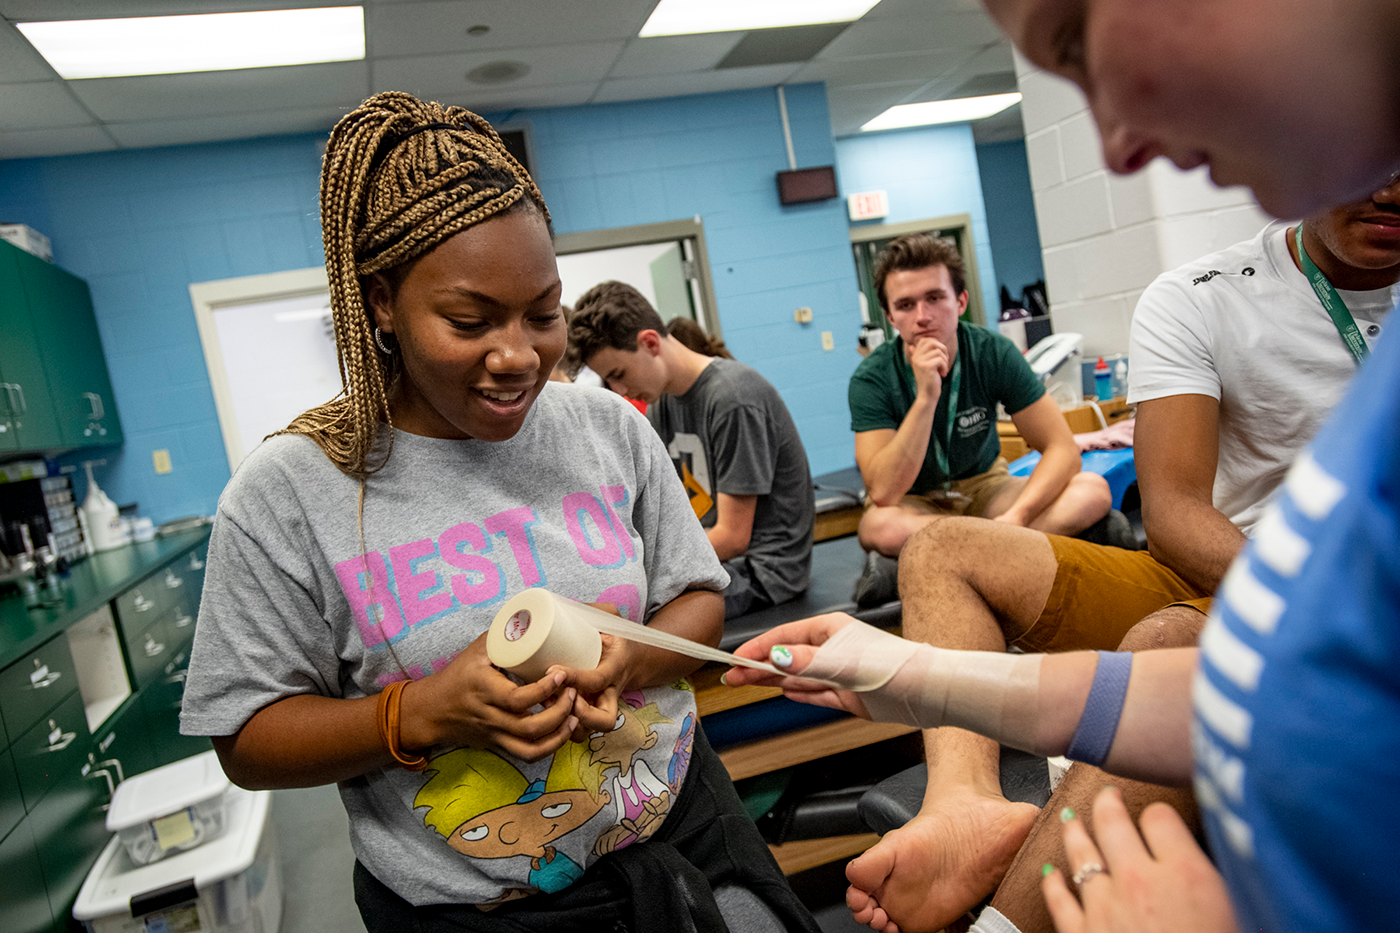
(161, 459)
(828, 342)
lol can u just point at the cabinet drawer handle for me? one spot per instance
(95, 401)
(23, 405)
(196, 563)
(111, 785)
(183, 621)
(153, 647)
(141, 603)
(113, 763)
(172, 581)
(42, 676)
(58, 739)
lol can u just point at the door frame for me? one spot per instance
(967, 247)
(692, 229)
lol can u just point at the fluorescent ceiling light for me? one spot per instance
(961, 110)
(685, 17)
(157, 45)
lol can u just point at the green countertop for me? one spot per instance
(92, 583)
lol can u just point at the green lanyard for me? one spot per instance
(1332, 303)
(941, 451)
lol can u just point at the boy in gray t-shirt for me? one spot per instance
(732, 439)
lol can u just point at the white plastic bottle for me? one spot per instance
(103, 519)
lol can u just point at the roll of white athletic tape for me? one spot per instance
(536, 629)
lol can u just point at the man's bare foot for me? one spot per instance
(939, 865)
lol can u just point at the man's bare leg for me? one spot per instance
(1019, 898)
(965, 583)
(885, 528)
(1084, 501)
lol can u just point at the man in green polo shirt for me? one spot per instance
(918, 461)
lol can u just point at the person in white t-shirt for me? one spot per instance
(1235, 364)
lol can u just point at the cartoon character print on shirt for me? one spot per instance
(641, 799)
(485, 808)
(680, 755)
(679, 764)
(688, 453)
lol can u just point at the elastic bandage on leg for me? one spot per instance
(987, 692)
(1098, 724)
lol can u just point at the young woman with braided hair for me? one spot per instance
(358, 558)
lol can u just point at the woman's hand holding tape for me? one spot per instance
(470, 702)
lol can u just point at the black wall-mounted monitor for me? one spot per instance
(805, 185)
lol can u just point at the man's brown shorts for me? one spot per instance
(1101, 592)
(971, 496)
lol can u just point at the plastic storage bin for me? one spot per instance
(230, 885)
(170, 809)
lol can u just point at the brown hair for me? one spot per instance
(611, 314)
(693, 336)
(400, 176)
(918, 251)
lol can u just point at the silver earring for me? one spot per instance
(383, 347)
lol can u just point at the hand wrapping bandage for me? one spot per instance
(987, 692)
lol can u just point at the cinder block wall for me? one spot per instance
(1105, 237)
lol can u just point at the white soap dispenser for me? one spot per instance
(100, 512)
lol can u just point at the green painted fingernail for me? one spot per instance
(1046, 869)
(781, 656)
(1066, 814)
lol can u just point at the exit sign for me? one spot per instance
(868, 205)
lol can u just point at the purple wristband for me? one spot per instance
(1099, 722)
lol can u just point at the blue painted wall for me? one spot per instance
(928, 172)
(1006, 190)
(141, 225)
(716, 155)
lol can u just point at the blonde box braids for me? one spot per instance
(400, 176)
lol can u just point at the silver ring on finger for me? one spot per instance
(1087, 871)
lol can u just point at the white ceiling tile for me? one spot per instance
(994, 58)
(145, 133)
(884, 69)
(20, 61)
(221, 92)
(697, 82)
(42, 10)
(669, 54)
(482, 100)
(577, 50)
(40, 105)
(913, 34)
(428, 28)
(573, 64)
(23, 144)
(888, 9)
(852, 107)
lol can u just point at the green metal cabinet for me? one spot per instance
(162, 701)
(57, 777)
(28, 418)
(70, 828)
(11, 802)
(22, 890)
(54, 383)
